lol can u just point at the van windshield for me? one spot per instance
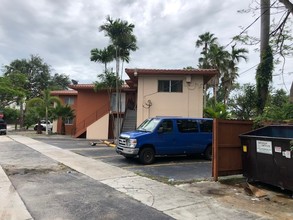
(149, 125)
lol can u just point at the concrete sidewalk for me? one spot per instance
(170, 200)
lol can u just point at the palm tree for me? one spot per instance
(108, 82)
(123, 40)
(217, 58)
(65, 112)
(43, 105)
(206, 40)
(104, 56)
(121, 37)
(232, 71)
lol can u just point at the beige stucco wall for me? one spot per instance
(55, 124)
(189, 103)
(99, 129)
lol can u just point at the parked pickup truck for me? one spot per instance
(3, 127)
(167, 136)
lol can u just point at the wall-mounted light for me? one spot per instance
(135, 73)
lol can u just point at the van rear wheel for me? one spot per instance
(147, 155)
(208, 154)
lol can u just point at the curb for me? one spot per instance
(108, 143)
(11, 204)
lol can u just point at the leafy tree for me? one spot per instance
(278, 107)
(11, 115)
(59, 82)
(217, 110)
(65, 113)
(243, 104)
(36, 71)
(36, 76)
(32, 115)
(9, 92)
(43, 106)
(188, 68)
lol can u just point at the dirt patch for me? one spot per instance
(263, 200)
(15, 170)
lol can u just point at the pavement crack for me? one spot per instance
(181, 206)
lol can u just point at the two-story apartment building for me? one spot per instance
(147, 93)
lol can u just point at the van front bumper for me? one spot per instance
(127, 151)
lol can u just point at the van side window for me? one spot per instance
(166, 126)
(206, 125)
(187, 125)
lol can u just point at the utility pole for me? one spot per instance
(265, 67)
(265, 26)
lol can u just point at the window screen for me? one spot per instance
(170, 86)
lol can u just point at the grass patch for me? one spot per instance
(169, 181)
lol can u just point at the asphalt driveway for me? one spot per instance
(180, 168)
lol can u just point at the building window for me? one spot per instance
(68, 121)
(170, 86)
(69, 100)
(121, 102)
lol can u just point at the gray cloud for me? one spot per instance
(64, 32)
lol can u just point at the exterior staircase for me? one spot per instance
(82, 126)
(129, 122)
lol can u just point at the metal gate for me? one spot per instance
(227, 149)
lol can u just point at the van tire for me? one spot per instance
(147, 155)
(208, 153)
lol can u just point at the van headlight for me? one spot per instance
(131, 143)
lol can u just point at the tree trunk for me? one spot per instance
(21, 121)
(63, 128)
(39, 127)
(46, 120)
(117, 124)
(291, 93)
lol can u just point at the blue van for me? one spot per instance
(167, 136)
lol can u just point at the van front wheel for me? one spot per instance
(147, 155)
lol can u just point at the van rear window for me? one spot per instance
(206, 125)
(187, 125)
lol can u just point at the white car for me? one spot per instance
(43, 125)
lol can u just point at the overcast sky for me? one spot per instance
(63, 32)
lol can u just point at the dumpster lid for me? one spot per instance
(277, 131)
